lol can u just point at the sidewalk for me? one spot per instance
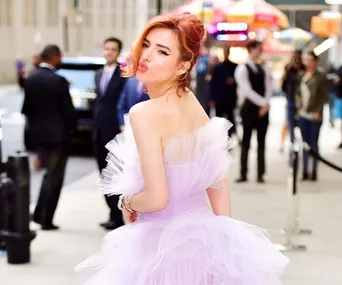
(6, 89)
(82, 207)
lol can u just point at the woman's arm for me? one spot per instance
(220, 199)
(322, 94)
(155, 196)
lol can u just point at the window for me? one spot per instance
(87, 6)
(102, 11)
(133, 13)
(9, 12)
(124, 14)
(30, 12)
(6, 12)
(112, 13)
(52, 12)
(152, 8)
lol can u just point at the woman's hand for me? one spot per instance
(129, 217)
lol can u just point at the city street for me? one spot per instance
(11, 99)
(276, 63)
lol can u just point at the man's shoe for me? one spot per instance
(241, 179)
(314, 177)
(260, 180)
(103, 225)
(49, 227)
(305, 176)
(113, 225)
(340, 146)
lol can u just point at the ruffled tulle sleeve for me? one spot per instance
(122, 174)
(200, 159)
(220, 145)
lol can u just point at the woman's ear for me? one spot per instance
(183, 68)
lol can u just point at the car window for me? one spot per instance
(79, 79)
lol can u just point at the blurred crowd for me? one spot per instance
(306, 88)
(51, 117)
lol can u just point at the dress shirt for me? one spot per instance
(109, 70)
(47, 65)
(242, 79)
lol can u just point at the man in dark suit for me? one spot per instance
(51, 119)
(223, 95)
(109, 84)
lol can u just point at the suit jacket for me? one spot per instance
(106, 125)
(220, 91)
(318, 85)
(129, 97)
(50, 114)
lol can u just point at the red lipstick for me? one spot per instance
(142, 66)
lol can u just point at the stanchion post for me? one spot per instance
(18, 236)
(293, 203)
(299, 147)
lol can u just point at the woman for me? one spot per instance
(311, 95)
(292, 73)
(163, 164)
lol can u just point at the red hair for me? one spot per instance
(189, 31)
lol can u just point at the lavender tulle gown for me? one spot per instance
(184, 244)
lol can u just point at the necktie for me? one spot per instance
(104, 82)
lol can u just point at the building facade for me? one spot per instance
(27, 25)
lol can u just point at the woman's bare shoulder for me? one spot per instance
(144, 116)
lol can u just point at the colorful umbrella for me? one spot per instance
(258, 14)
(216, 14)
(295, 35)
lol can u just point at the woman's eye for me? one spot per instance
(144, 45)
(163, 52)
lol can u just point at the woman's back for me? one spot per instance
(176, 115)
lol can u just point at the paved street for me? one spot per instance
(54, 254)
(13, 128)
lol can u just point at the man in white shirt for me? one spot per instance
(255, 83)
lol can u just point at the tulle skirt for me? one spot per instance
(196, 248)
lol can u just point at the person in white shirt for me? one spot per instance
(254, 81)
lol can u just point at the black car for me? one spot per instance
(80, 73)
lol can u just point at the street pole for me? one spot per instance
(159, 6)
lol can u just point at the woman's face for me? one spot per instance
(159, 60)
(310, 62)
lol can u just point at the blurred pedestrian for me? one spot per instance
(292, 73)
(255, 82)
(202, 78)
(311, 96)
(109, 84)
(38, 162)
(338, 100)
(52, 119)
(223, 95)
